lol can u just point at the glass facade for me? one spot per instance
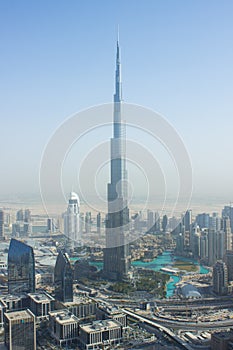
(21, 268)
(63, 278)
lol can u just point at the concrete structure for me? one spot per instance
(81, 307)
(63, 327)
(116, 253)
(105, 311)
(15, 302)
(100, 333)
(20, 330)
(41, 304)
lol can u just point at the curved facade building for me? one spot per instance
(63, 278)
(21, 268)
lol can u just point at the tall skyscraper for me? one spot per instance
(63, 278)
(1, 224)
(21, 268)
(116, 253)
(220, 278)
(20, 330)
(71, 218)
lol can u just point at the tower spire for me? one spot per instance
(118, 88)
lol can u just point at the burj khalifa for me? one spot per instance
(116, 253)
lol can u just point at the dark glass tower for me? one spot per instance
(21, 268)
(116, 253)
(63, 278)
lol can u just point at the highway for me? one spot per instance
(162, 328)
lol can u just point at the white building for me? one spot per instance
(72, 219)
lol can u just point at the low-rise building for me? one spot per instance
(106, 311)
(82, 307)
(63, 327)
(100, 333)
(41, 304)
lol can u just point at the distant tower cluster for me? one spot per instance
(72, 218)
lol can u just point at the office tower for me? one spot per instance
(212, 248)
(116, 253)
(51, 227)
(220, 278)
(164, 223)
(21, 268)
(94, 335)
(187, 220)
(63, 326)
(41, 304)
(229, 263)
(204, 246)
(20, 330)
(71, 218)
(220, 242)
(27, 215)
(157, 222)
(215, 222)
(20, 215)
(88, 222)
(195, 241)
(203, 220)
(98, 223)
(226, 227)
(150, 220)
(228, 211)
(63, 278)
(1, 224)
(180, 244)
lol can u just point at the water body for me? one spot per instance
(166, 259)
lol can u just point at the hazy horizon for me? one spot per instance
(59, 58)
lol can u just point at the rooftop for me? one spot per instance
(100, 325)
(19, 315)
(63, 316)
(40, 297)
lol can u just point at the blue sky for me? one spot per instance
(58, 57)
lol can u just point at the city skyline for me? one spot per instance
(177, 60)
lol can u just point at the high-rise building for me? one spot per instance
(116, 253)
(71, 218)
(63, 278)
(229, 262)
(1, 224)
(20, 330)
(220, 278)
(228, 211)
(212, 247)
(98, 223)
(21, 268)
(150, 220)
(203, 220)
(187, 220)
(226, 227)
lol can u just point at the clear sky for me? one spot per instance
(58, 57)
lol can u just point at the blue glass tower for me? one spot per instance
(63, 278)
(116, 253)
(21, 268)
